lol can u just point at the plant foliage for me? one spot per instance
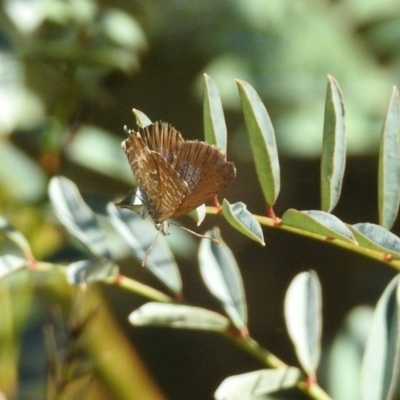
(218, 268)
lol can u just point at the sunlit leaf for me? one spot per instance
(213, 114)
(100, 151)
(333, 157)
(303, 317)
(262, 139)
(318, 222)
(257, 383)
(139, 235)
(14, 236)
(20, 177)
(178, 316)
(377, 238)
(10, 263)
(131, 201)
(142, 119)
(21, 107)
(76, 216)
(123, 30)
(389, 165)
(198, 214)
(90, 271)
(222, 276)
(380, 371)
(345, 355)
(243, 220)
(107, 56)
(25, 15)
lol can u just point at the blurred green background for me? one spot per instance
(72, 70)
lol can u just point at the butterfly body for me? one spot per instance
(174, 176)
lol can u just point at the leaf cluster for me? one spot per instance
(219, 270)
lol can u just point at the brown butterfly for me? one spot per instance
(174, 175)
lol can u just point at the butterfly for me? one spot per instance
(173, 175)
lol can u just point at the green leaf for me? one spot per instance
(243, 220)
(303, 317)
(86, 271)
(122, 29)
(10, 263)
(131, 201)
(178, 316)
(76, 216)
(344, 361)
(262, 139)
(221, 275)
(198, 214)
(213, 114)
(257, 383)
(139, 235)
(100, 151)
(376, 238)
(333, 147)
(142, 119)
(108, 56)
(380, 371)
(318, 222)
(389, 165)
(20, 177)
(16, 237)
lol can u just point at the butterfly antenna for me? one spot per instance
(197, 234)
(149, 250)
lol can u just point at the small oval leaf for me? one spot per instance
(333, 147)
(86, 271)
(377, 238)
(243, 220)
(199, 214)
(76, 216)
(21, 178)
(389, 164)
(16, 237)
(98, 150)
(318, 222)
(213, 114)
(10, 263)
(142, 119)
(139, 235)
(262, 139)
(380, 370)
(304, 319)
(221, 274)
(257, 383)
(178, 316)
(131, 201)
(344, 360)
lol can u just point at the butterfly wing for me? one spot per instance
(163, 139)
(172, 189)
(205, 170)
(162, 188)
